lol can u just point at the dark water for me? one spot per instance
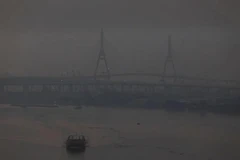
(39, 133)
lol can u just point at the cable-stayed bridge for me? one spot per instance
(104, 78)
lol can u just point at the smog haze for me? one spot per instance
(50, 37)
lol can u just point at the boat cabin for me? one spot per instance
(76, 142)
(76, 137)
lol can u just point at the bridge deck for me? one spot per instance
(88, 81)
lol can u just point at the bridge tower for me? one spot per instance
(169, 60)
(102, 57)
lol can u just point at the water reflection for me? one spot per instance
(74, 155)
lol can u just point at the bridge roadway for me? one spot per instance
(88, 81)
(44, 80)
(177, 77)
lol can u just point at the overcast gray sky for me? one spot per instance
(48, 37)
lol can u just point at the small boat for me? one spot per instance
(76, 143)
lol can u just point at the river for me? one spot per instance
(114, 134)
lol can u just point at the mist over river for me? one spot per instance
(114, 134)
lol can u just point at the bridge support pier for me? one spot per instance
(168, 90)
(152, 89)
(26, 93)
(59, 88)
(121, 88)
(45, 88)
(1, 88)
(70, 87)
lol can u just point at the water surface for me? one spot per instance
(39, 133)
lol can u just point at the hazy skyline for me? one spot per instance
(49, 37)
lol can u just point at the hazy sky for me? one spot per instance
(48, 37)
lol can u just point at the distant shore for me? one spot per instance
(35, 105)
(170, 103)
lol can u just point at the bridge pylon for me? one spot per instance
(169, 60)
(102, 57)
